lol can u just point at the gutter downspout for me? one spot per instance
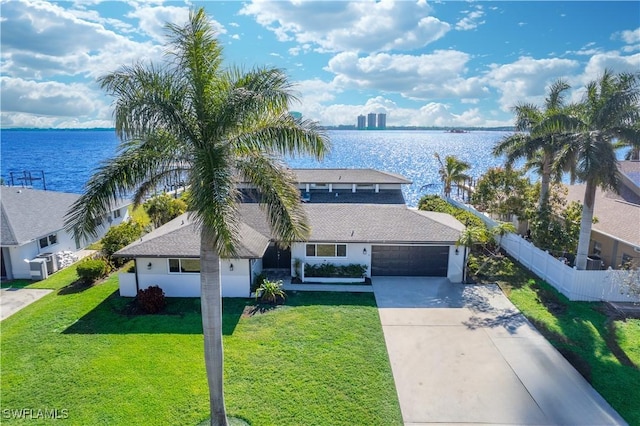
(136, 277)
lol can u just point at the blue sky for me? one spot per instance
(422, 63)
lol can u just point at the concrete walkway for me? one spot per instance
(463, 354)
(14, 299)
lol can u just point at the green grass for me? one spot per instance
(605, 351)
(320, 359)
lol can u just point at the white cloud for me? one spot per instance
(25, 101)
(631, 36)
(42, 40)
(471, 20)
(609, 60)
(526, 79)
(436, 75)
(350, 26)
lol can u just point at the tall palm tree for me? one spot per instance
(543, 138)
(609, 112)
(452, 171)
(215, 126)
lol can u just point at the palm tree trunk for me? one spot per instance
(544, 182)
(211, 301)
(585, 226)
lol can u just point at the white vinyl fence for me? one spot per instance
(609, 285)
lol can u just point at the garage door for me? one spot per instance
(409, 261)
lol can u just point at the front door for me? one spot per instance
(276, 257)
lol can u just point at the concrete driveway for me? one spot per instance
(14, 299)
(463, 354)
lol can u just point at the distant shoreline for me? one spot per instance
(341, 127)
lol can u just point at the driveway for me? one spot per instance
(14, 299)
(463, 354)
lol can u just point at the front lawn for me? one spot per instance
(320, 359)
(602, 347)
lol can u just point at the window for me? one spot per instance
(116, 214)
(184, 266)
(326, 250)
(597, 248)
(48, 241)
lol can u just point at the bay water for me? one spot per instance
(68, 158)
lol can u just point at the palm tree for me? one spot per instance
(215, 126)
(609, 112)
(452, 171)
(543, 137)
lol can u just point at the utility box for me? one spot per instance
(38, 269)
(594, 263)
(52, 265)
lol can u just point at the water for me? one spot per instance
(69, 157)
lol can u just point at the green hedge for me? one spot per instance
(330, 270)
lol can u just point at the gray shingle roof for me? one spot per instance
(28, 214)
(616, 216)
(181, 238)
(358, 176)
(371, 223)
(380, 224)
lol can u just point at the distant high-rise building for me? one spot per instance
(382, 121)
(362, 122)
(371, 121)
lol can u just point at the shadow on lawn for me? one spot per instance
(181, 316)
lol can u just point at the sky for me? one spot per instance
(447, 64)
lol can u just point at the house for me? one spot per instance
(615, 238)
(32, 227)
(364, 224)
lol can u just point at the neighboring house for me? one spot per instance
(364, 224)
(32, 226)
(615, 238)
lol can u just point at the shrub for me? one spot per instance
(353, 270)
(91, 270)
(118, 237)
(257, 282)
(151, 300)
(271, 292)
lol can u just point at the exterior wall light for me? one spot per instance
(457, 251)
(231, 266)
(149, 265)
(364, 251)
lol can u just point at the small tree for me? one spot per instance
(163, 208)
(503, 192)
(470, 237)
(118, 237)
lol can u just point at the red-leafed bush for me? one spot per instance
(151, 300)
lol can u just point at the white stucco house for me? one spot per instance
(32, 227)
(366, 223)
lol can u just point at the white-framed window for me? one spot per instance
(184, 266)
(48, 241)
(597, 248)
(326, 250)
(116, 214)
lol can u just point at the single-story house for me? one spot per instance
(389, 238)
(32, 231)
(615, 238)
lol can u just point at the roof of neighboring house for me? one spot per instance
(28, 214)
(617, 216)
(358, 176)
(181, 238)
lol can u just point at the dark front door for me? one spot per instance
(276, 257)
(410, 261)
